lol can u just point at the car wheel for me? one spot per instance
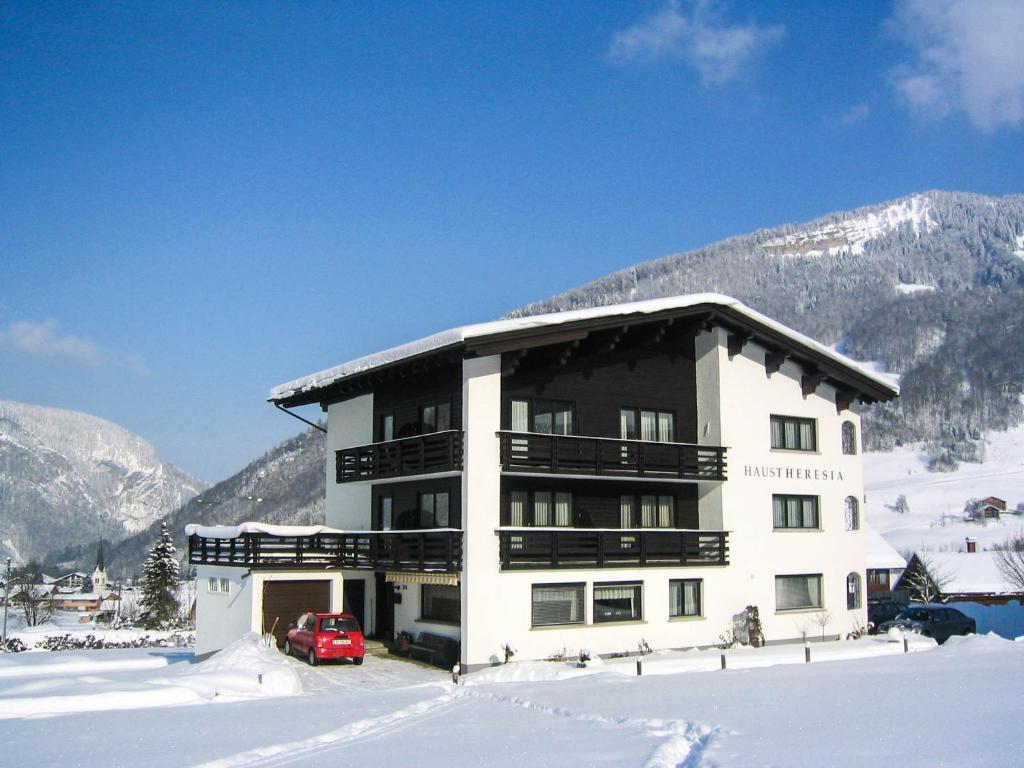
(357, 660)
(311, 657)
(287, 648)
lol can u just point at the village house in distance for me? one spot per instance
(601, 479)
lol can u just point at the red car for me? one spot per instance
(322, 636)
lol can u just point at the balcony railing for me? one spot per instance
(428, 550)
(419, 455)
(548, 548)
(572, 455)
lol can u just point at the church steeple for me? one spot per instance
(99, 576)
(99, 557)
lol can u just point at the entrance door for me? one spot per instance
(384, 626)
(355, 600)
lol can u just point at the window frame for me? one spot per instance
(637, 510)
(797, 421)
(638, 603)
(801, 497)
(700, 599)
(851, 513)
(530, 508)
(854, 597)
(442, 618)
(541, 405)
(421, 510)
(387, 499)
(580, 593)
(637, 411)
(796, 608)
(385, 427)
(435, 425)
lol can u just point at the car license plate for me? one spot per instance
(342, 641)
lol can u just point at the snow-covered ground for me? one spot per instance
(69, 623)
(858, 702)
(936, 500)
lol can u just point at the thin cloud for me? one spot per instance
(858, 113)
(44, 340)
(717, 50)
(967, 57)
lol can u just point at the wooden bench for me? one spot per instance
(436, 647)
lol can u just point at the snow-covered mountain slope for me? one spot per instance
(284, 486)
(66, 478)
(934, 520)
(852, 234)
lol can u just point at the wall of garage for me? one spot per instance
(223, 617)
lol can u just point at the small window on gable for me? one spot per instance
(225, 585)
(849, 438)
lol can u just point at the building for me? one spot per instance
(961, 577)
(989, 508)
(884, 564)
(595, 479)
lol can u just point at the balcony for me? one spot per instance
(419, 455)
(415, 551)
(609, 457)
(548, 548)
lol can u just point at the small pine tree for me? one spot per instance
(159, 583)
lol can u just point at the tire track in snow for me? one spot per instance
(683, 742)
(289, 752)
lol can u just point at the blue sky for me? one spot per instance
(200, 201)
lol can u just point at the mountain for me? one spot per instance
(67, 478)
(931, 286)
(284, 486)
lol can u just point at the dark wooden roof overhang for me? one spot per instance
(564, 341)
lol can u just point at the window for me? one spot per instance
(385, 511)
(548, 417)
(794, 593)
(386, 427)
(853, 591)
(849, 438)
(794, 512)
(684, 597)
(618, 602)
(225, 585)
(851, 513)
(440, 602)
(557, 604)
(646, 511)
(878, 580)
(213, 584)
(650, 425)
(434, 509)
(435, 418)
(540, 508)
(794, 434)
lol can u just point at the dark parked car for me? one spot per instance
(937, 621)
(881, 611)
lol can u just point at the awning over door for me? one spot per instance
(447, 579)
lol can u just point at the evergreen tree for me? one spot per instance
(159, 583)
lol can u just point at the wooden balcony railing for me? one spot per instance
(428, 550)
(573, 455)
(419, 455)
(549, 548)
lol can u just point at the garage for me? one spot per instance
(285, 601)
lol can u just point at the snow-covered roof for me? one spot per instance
(969, 573)
(881, 554)
(455, 336)
(234, 531)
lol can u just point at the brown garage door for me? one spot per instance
(285, 601)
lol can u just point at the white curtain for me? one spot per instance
(563, 509)
(778, 441)
(517, 509)
(797, 592)
(648, 425)
(627, 514)
(665, 427)
(684, 596)
(557, 605)
(542, 508)
(664, 511)
(807, 435)
(648, 510)
(520, 416)
(627, 424)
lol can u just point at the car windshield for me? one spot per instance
(339, 624)
(916, 614)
